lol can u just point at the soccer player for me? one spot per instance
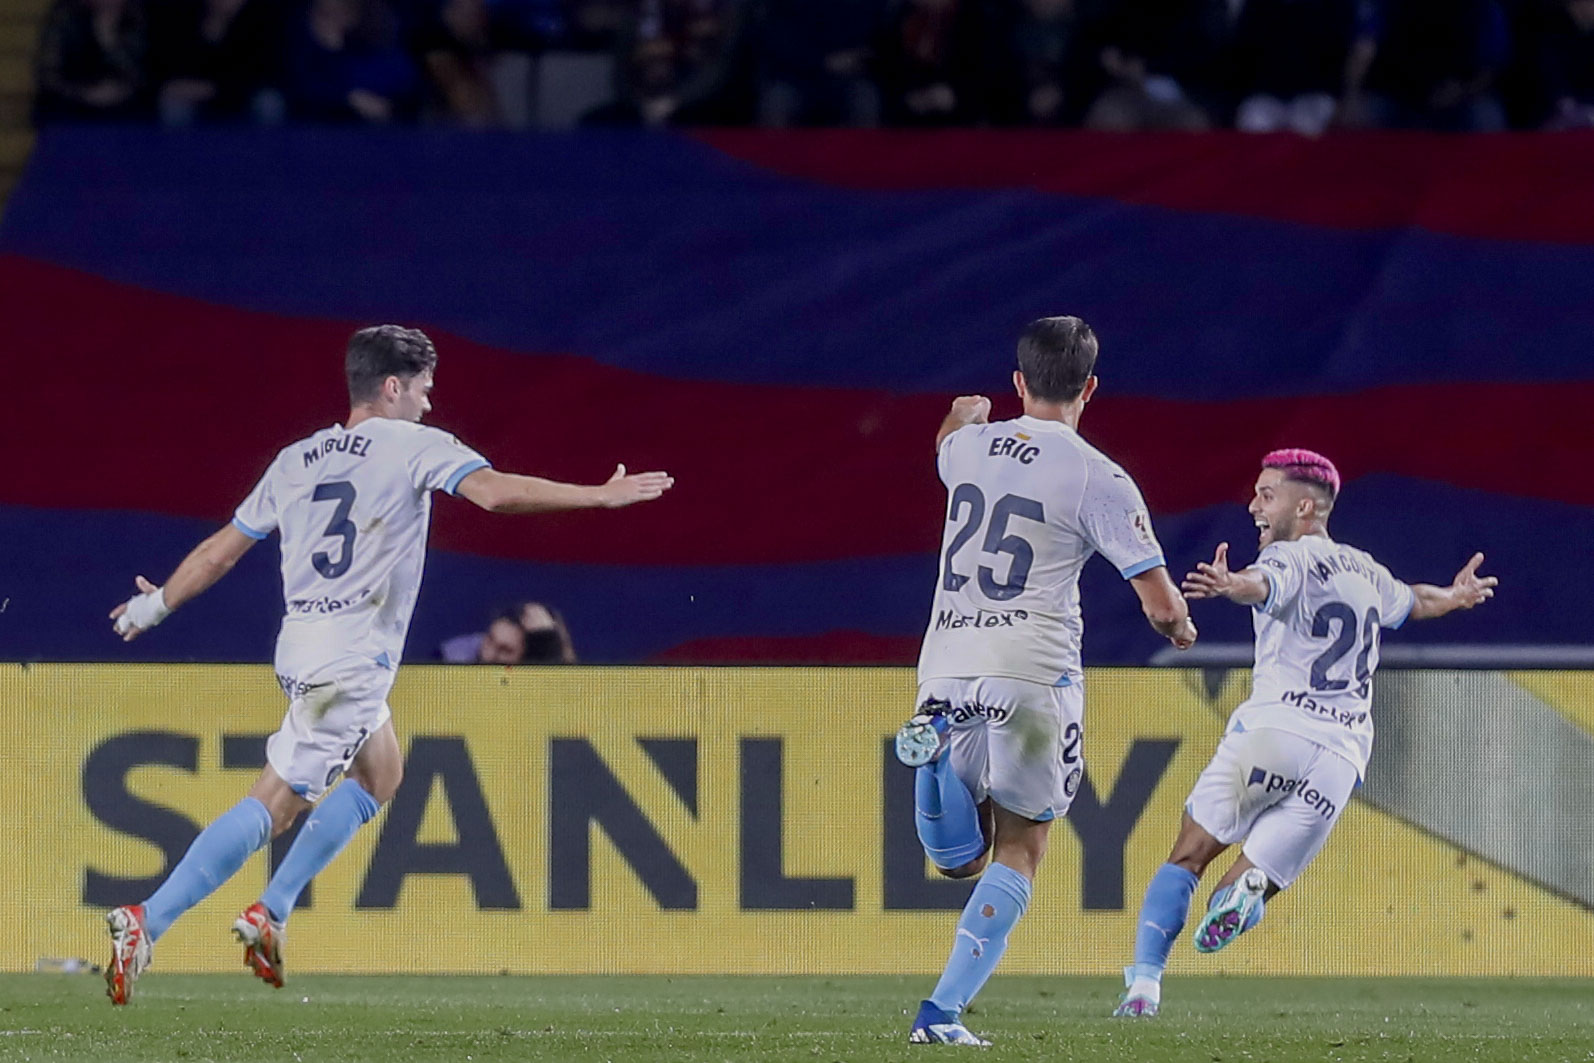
(1296, 748)
(352, 504)
(997, 737)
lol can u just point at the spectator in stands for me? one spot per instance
(815, 62)
(1435, 67)
(217, 60)
(529, 633)
(930, 63)
(91, 67)
(344, 64)
(1563, 67)
(1160, 58)
(456, 46)
(595, 25)
(678, 62)
(1046, 56)
(1292, 61)
(547, 638)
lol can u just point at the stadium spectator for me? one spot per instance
(1044, 55)
(930, 64)
(1159, 58)
(217, 60)
(1435, 66)
(1562, 60)
(92, 57)
(547, 638)
(815, 62)
(344, 65)
(527, 633)
(1293, 62)
(457, 46)
(677, 62)
(595, 25)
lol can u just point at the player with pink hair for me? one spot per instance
(1294, 751)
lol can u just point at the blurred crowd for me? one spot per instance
(1258, 65)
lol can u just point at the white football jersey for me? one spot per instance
(353, 507)
(1028, 502)
(1317, 643)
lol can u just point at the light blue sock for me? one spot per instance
(218, 852)
(323, 836)
(1162, 916)
(993, 909)
(945, 813)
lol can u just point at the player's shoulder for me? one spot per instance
(411, 435)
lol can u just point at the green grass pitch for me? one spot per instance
(321, 1019)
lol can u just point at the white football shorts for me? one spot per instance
(1278, 792)
(333, 707)
(1016, 742)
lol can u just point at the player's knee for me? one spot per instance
(968, 870)
(385, 786)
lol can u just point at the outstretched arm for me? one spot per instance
(1164, 608)
(966, 410)
(1214, 580)
(507, 492)
(204, 565)
(1465, 591)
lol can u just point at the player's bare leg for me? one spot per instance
(1162, 916)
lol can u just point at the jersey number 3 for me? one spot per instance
(341, 492)
(997, 540)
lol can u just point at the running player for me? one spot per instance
(997, 737)
(1294, 751)
(352, 504)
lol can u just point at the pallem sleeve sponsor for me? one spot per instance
(1113, 518)
(256, 517)
(439, 461)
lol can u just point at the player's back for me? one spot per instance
(1028, 502)
(1317, 640)
(353, 507)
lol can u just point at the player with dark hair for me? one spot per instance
(352, 504)
(1294, 751)
(997, 738)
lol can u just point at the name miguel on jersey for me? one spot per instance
(359, 446)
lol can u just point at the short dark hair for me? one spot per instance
(1057, 355)
(381, 351)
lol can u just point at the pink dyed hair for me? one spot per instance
(1307, 466)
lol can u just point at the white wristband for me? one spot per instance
(143, 611)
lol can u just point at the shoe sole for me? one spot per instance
(118, 985)
(255, 959)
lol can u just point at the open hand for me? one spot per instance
(623, 490)
(1212, 580)
(1469, 588)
